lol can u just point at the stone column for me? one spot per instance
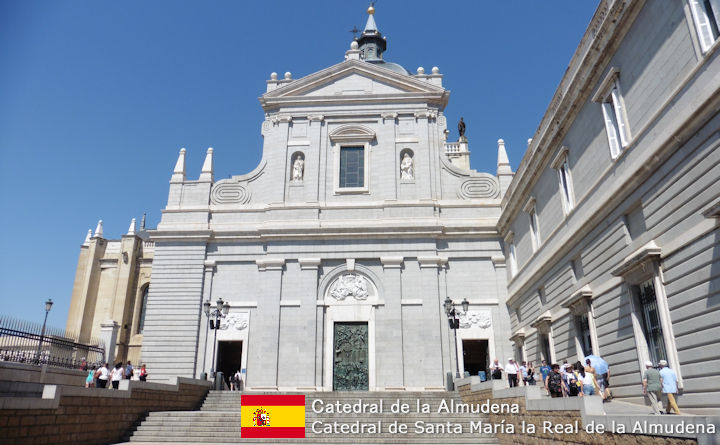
(263, 351)
(389, 332)
(202, 362)
(435, 322)
(108, 334)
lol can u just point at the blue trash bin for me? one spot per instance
(483, 376)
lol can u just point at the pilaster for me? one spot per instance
(389, 329)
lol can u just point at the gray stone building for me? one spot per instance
(337, 252)
(611, 222)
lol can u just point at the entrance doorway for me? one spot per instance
(475, 356)
(229, 359)
(350, 358)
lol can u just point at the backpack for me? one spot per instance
(555, 382)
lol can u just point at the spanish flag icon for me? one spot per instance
(272, 416)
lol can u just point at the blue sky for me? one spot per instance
(97, 97)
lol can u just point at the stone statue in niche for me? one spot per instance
(298, 168)
(407, 168)
(350, 285)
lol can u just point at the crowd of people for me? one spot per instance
(99, 375)
(582, 380)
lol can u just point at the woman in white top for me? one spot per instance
(116, 375)
(101, 376)
(589, 384)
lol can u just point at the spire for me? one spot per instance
(372, 43)
(179, 172)
(98, 230)
(207, 168)
(503, 165)
(87, 238)
(142, 221)
(131, 229)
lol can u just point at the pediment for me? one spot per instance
(353, 78)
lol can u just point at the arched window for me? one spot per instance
(143, 307)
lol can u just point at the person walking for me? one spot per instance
(143, 373)
(530, 374)
(90, 380)
(554, 382)
(512, 370)
(101, 376)
(129, 371)
(668, 379)
(652, 387)
(544, 372)
(588, 382)
(496, 370)
(116, 375)
(524, 373)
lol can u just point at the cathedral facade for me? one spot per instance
(336, 254)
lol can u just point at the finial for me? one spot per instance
(288, 75)
(207, 168)
(435, 70)
(142, 221)
(421, 70)
(354, 45)
(529, 141)
(87, 238)
(131, 229)
(99, 230)
(179, 171)
(273, 76)
(503, 163)
(371, 9)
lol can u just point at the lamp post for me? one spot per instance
(454, 322)
(48, 306)
(222, 309)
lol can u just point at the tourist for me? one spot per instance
(101, 376)
(544, 372)
(116, 375)
(588, 381)
(554, 382)
(524, 373)
(496, 370)
(143, 373)
(129, 371)
(652, 387)
(669, 380)
(589, 368)
(512, 370)
(90, 379)
(571, 381)
(238, 380)
(530, 374)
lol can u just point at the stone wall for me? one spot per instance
(70, 415)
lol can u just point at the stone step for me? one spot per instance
(393, 440)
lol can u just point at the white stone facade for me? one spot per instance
(294, 251)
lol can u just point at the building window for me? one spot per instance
(513, 260)
(560, 163)
(143, 309)
(584, 334)
(352, 167)
(651, 325)
(534, 224)
(541, 297)
(545, 354)
(610, 98)
(706, 15)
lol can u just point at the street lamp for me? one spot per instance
(454, 322)
(48, 306)
(223, 307)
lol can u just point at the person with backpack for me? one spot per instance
(554, 383)
(571, 382)
(129, 371)
(496, 370)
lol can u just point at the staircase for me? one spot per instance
(218, 421)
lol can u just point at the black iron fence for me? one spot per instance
(24, 342)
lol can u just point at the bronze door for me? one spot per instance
(350, 362)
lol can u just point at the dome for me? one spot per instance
(389, 66)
